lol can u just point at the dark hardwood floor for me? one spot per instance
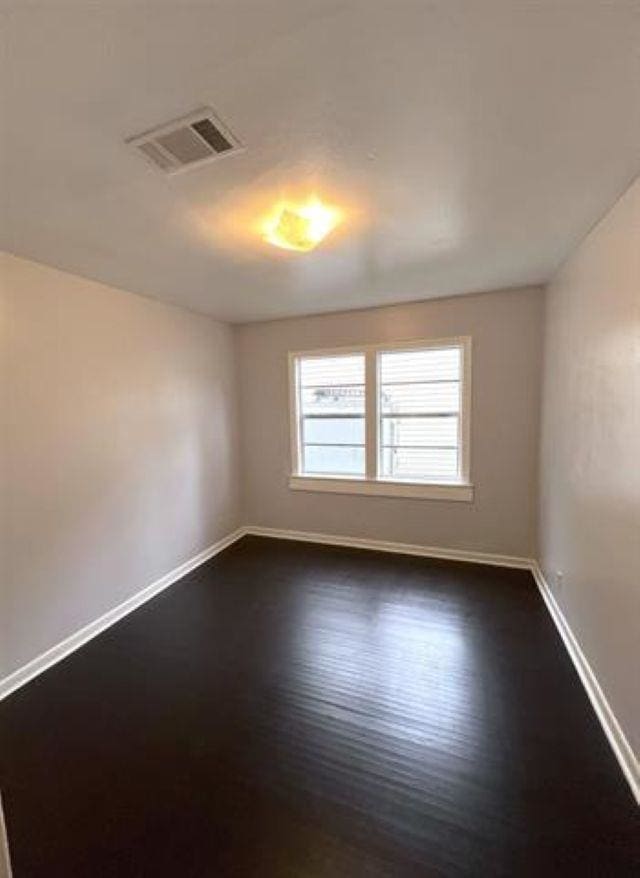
(315, 712)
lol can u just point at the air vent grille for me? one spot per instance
(186, 143)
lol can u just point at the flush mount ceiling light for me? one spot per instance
(300, 226)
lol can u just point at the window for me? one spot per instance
(419, 406)
(331, 406)
(383, 419)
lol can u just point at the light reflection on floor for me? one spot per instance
(378, 682)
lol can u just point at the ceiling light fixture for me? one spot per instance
(300, 226)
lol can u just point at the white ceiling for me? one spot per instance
(471, 143)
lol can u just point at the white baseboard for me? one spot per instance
(398, 548)
(79, 638)
(623, 752)
(5, 859)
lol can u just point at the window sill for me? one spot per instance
(380, 488)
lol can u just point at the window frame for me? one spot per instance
(372, 483)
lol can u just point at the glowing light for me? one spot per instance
(300, 226)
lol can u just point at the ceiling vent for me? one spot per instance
(186, 143)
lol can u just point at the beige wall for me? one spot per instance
(506, 331)
(118, 449)
(590, 460)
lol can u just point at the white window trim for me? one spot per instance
(371, 484)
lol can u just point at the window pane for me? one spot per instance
(333, 400)
(420, 464)
(426, 365)
(339, 431)
(419, 398)
(423, 432)
(331, 460)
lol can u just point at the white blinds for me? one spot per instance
(331, 400)
(419, 404)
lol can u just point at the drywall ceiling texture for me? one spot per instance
(590, 472)
(118, 449)
(506, 336)
(471, 144)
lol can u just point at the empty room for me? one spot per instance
(319, 438)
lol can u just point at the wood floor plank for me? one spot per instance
(299, 710)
